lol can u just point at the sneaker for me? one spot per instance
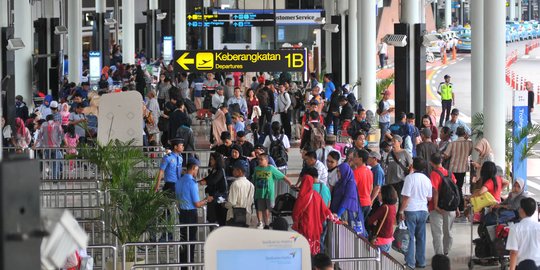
(260, 225)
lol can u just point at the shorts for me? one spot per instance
(197, 93)
(263, 204)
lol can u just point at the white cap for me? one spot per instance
(54, 104)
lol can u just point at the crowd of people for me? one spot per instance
(256, 118)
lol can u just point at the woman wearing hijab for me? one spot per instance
(345, 194)
(44, 109)
(236, 155)
(484, 154)
(219, 124)
(508, 209)
(309, 213)
(21, 139)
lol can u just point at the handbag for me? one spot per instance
(373, 237)
(483, 200)
(239, 216)
(401, 238)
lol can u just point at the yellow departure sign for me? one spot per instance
(241, 60)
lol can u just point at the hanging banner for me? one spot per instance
(520, 117)
(241, 60)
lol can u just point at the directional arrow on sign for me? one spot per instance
(189, 17)
(183, 61)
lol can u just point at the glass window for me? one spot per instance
(236, 35)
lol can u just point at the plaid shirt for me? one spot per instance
(459, 152)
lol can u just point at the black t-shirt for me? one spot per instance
(247, 149)
(531, 99)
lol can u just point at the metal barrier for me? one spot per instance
(357, 252)
(95, 229)
(161, 253)
(69, 198)
(69, 184)
(98, 252)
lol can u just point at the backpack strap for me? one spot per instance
(382, 222)
(397, 161)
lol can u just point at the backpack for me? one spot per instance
(296, 100)
(190, 106)
(380, 107)
(284, 204)
(278, 151)
(234, 108)
(316, 138)
(448, 193)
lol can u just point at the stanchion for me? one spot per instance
(454, 53)
(538, 95)
(526, 49)
(444, 58)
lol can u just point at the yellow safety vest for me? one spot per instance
(446, 91)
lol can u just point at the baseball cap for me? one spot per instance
(54, 104)
(455, 111)
(375, 155)
(241, 165)
(177, 141)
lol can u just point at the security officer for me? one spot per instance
(171, 166)
(447, 99)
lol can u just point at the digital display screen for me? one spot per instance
(95, 65)
(260, 259)
(168, 48)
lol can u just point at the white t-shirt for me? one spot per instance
(418, 188)
(286, 142)
(524, 237)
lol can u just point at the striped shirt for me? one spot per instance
(459, 152)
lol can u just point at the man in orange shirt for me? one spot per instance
(364, 179)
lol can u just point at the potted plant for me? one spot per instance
(133, 208)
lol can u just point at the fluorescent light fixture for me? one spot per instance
(396, 40)
(332, 28)
(161, 16)
(15, 44)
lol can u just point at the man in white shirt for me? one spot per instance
(241, 194)
(524, 237)
(310, 159)
(383, 52)
(416, 193)
(218, 99)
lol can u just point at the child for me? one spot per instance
(64, 113)
(238, 121)
(264, 177)
(71, 140)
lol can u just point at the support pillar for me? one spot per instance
(329, 11)
(343, 32)
(411, 11)
(153, 29)
(447, 13)
(23, 57)
(101, 32)
(529, 10)
(74, 40)
(511, 10)
(180, 28)
(3, 13)
(367, 34)
(477, 55)
(520, 11)
(128, 33)
(494, 69)
(353, 44)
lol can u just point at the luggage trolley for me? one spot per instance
(502, 259)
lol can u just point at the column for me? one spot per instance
(367, 34)
(23, 30)
(3, 13)
(153, 4)
(520, 11)
(411, 14)
(180, 28)
(353, 44)
(128, 32)
(256, 33)
(74, 40)
(342, 31)
(329, 11)
(477, 55)
(447, 13)
(494, 69)
(512, 10)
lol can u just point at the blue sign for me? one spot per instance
(168, 50)
(520, 117)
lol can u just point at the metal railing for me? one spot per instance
(70, 198)
(162, 253)
(101, 256)
(354, 253)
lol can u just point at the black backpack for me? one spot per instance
(380, 107)
(278, 151)
(448, 193)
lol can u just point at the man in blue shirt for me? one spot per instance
(378, 175)
(454, 123)
(187, 194)
(171, 166)
(329, 86)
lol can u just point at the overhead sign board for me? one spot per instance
(283, 16)
(241, 60)
(230, 19)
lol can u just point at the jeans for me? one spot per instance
(385, 248)
(365, 211)
(384, 128)
(416, 224)
(323, 236)
(445, 114)
(441, 230)
(55, 161)
(460, 178)
(334, 120)
(382, 58)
